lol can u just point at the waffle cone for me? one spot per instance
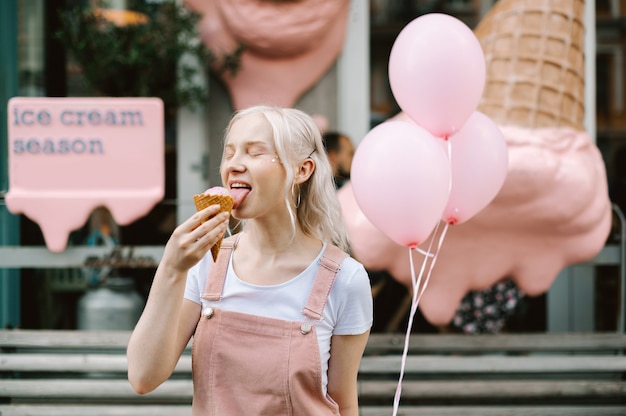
(226, 203)
(534, 52)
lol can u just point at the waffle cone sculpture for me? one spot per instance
(553, 210)
(534, 51)
(212, 197)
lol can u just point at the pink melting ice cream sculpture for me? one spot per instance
(553, 209)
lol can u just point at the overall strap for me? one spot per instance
(330, 264)
(217, 275)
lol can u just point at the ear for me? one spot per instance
(304, 172)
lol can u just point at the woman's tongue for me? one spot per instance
(239, 194)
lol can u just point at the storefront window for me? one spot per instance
(50, 296)
(31, 48)
(45, 68)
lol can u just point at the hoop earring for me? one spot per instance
(293, 192)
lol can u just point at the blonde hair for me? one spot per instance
(313, 205)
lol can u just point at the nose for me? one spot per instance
(233, 164)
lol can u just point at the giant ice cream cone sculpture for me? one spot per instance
(553, 209)
(213, 196)
(534, 52)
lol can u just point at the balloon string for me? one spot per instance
(414, 304)
(427, 254)
(396, 400)
(449, 147)
(432, 264)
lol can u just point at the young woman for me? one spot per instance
(281, 320)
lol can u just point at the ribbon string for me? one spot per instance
(416, 296)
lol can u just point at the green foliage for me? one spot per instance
(141, 60)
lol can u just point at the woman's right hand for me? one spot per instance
(192, 239)
(168, 320)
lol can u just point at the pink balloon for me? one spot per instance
(437, 72)
(479, 162)
(401, 179)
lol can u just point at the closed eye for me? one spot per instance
(252, 150)
(257, 150)
(228, 154)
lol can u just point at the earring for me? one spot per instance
(293, 192)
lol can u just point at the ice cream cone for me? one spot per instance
(226, 203)
(534, 52)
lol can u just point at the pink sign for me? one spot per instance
(68, 156)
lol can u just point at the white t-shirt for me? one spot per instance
(348, 310)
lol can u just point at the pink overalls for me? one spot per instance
(251, 365)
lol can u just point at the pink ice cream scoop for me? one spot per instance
(217, 190)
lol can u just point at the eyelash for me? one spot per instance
(253, 154)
